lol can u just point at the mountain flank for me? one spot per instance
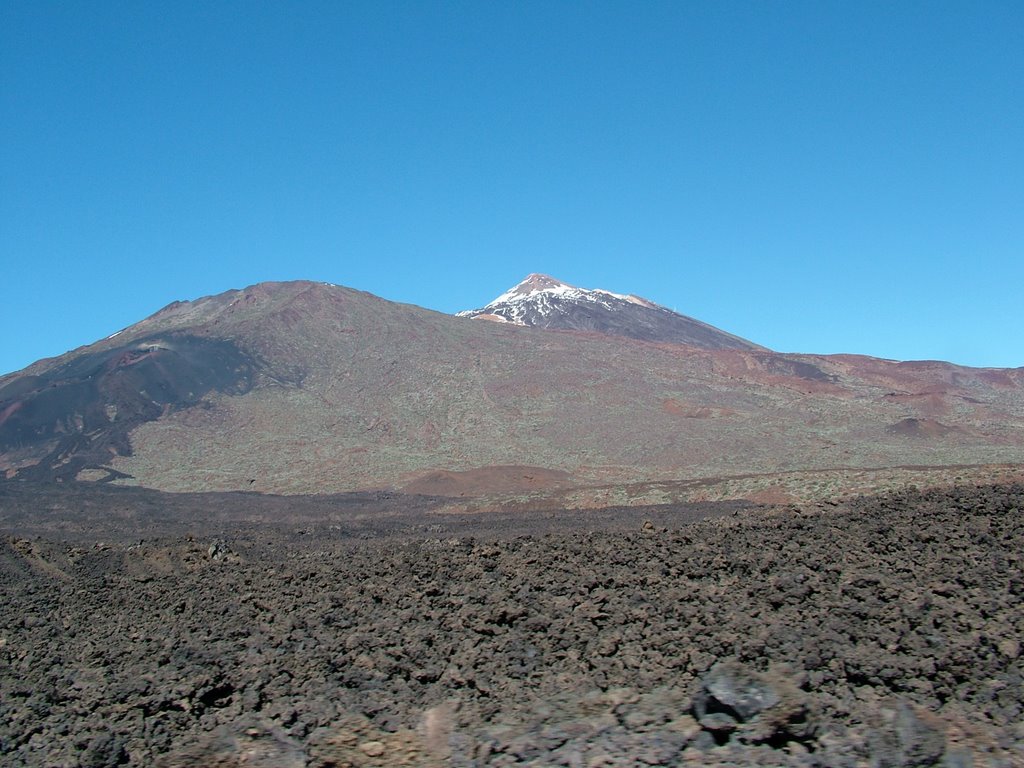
(306, 387)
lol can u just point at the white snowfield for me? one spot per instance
(542, 294)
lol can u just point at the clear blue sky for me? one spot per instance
(814, 176)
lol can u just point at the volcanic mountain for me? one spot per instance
(307, 387)
(544, 302)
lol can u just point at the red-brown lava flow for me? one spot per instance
(878, 632)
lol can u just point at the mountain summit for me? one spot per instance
(544, 302)
(306, 387)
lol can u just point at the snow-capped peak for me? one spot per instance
(544, 302)
(537, 288)
(532, 285)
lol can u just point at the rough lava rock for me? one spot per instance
(733, 701)
(882, 631)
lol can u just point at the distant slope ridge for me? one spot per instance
(542, 301)
(306, 387)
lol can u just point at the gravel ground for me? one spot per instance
(881, 632)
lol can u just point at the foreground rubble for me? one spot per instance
(883, 632)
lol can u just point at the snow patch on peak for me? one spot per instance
(539, 289)
(542, 301)
(533, 284)
(638, 300)
(544, 296)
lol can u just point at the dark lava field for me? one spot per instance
(148, 630)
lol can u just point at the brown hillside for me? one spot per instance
(311, 388)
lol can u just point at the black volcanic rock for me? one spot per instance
(79, 414)
(544, 302)
(332, 636)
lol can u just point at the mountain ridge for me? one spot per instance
(304, 387)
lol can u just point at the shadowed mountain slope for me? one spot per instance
(312, 388)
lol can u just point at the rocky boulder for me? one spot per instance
(734, 702)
